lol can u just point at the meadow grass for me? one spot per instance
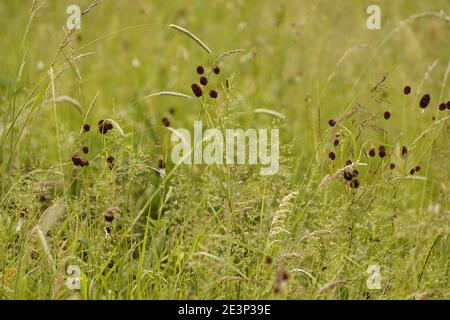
(140, 227)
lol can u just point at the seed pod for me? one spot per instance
(196, 90)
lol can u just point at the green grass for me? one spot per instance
(209, 231)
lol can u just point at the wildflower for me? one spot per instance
(392, 166)
(336, 142)
(216, 70)
(411, 172)
(387, 115)
(213, 94)
(200, 70)
(109, 217)
(110, 161)
(372, 152)
(77, 161)
(354, 184)
(161, 164)
(203, 81)
(348, 176)
(404, 152)
(269, 260)
(442, 106)
(407, 90)
(424, 101)
(332, 122)
(197, 90)
(348, 162)
(165, 122)
(86, 127)
(332, 155)
(417, 168)
(104, 126)
(382, 151)
(85, 149)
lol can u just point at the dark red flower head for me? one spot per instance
(216, 70)
(332, 122)
(86, 127)
(332, 155)
(165, 122)
(404, 152)
(213, 94)
(387, 115)
(424, 101)
(442, 106)
(203, 81)
(196, 90)
(200, 70)
(372, 152)
(407, 90)
(85, 149)
(382, 151)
